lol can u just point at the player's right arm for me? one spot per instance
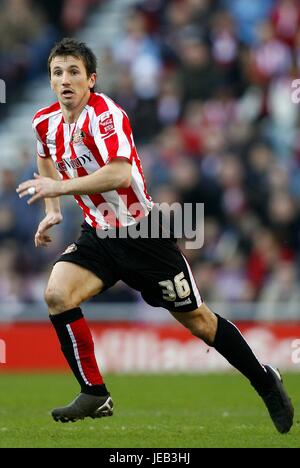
(52, 205)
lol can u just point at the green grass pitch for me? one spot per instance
(150, 411)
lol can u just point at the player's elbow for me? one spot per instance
(121, 173)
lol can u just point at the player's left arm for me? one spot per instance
(115, 175)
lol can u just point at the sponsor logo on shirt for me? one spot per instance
(66, 164)
(106, 124)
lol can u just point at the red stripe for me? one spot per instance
(86, 211)
(112, 145)
(60, 146)
(98, 103)
(86, 352)
(59, 140)
(132, 203)
(42, 130)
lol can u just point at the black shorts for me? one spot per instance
(155, 267)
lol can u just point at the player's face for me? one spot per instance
(69, 80)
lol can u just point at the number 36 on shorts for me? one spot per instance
(179, 286)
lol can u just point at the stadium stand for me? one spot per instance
(207, 86)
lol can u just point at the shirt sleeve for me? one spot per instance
(113, 135)
(42, 149)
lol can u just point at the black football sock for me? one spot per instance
(231, 344)
(78, 348)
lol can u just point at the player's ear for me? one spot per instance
(92, 80)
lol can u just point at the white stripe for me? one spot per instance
(119, 207)
(115, 203)
(68, 153)
(194, 286)
(138, 187)
(40, 148)
(51, 134)
(75, 348)
(88, 220)
(81, 119)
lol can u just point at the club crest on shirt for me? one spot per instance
(78, 137)
(71, 248)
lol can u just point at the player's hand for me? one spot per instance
(43, 187)
(42, 238)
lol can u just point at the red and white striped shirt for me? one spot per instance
(101, 133)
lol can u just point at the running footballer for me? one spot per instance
(85, 148)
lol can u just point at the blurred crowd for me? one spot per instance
(28, 29)
(207, 86)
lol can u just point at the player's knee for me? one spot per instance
(58, 300)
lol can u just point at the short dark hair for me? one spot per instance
(75, 48)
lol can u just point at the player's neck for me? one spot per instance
(71, 115)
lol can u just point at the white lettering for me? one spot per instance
(120, 458)
(296, 353)
(2, 352)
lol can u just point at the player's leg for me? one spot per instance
(229, 342)
(157, 268)
(70, 285)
